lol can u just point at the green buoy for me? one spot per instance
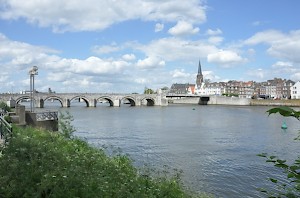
(284, 126)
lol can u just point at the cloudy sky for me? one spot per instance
(127, 45)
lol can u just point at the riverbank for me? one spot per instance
(234, 101)
(290, 103)
(39, 163)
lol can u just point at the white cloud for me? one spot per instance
(159, 27)
(225, 58)
(211, 32)
(259, 23)
(94, 66)
(58, 76)
(3, 78)
(284, 46)
(282, 68)
(15, 54)
(257, 73)
(296, 76)
(180, 73)
(177, 49)
(183, 28)
(211, 76)
(216, 40)
(264, 37)
(281, 64)
(129, 57)
(92, 15)
(150, 63)
(106, 49)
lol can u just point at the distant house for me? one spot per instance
(295, 91)
(182, 88)
(286, 92)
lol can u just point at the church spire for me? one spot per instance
(199, 68)
(199, 79)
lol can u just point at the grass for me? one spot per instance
(38, 163)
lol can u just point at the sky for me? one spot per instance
(123, 46)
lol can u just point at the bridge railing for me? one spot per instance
(48, 115)
(5, 129)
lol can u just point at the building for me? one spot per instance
(215, 88)
(199, 79)
(295, 91)
(182, 88)
(276, 88)
(286, 90)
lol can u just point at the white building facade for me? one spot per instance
(295, 91)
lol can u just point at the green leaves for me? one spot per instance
(290, 187)
(285, 111)
(39, 163)
(64, 124)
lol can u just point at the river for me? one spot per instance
(214, 146)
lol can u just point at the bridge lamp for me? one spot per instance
(32, 73)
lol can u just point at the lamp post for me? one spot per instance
(32, 73)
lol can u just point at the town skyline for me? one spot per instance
(111, 46)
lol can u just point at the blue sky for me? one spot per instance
(125, 46)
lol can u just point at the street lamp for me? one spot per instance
(32, 72)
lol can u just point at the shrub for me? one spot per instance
(4, 107)
(38, 163)
(291, 186)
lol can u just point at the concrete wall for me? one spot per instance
(223, 100)
(51, 125)
(213, 100)
(290, 103)
(189, 100)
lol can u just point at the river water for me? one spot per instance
(214, 146)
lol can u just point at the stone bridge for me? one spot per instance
(91, 99)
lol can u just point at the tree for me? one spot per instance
(4, 107)
(148, 91)
(291, 187)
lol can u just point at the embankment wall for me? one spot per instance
(223, 100)
(290, 103)
(213, 100)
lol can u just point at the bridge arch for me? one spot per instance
(149, 101)
(107, 98)
(130, 99)
(85, 99)
(60, 100)
(22, 98)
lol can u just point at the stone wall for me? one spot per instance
(213, 100)
(290, 103)
(223, 100)
(31, 119)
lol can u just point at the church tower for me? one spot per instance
(199, 79)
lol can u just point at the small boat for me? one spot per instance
(284, 126)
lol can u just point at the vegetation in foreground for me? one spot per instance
(290, 187)
(38, 163)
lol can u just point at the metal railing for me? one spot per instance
(5, 129)
(48, 115)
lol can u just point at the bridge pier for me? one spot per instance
(138, 103)
(92, 103)
(66, 102)
(39, 103)
(117, 102)
(161, 100)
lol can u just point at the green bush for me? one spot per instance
(290, 187)
(39, 163)
(4, 107)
